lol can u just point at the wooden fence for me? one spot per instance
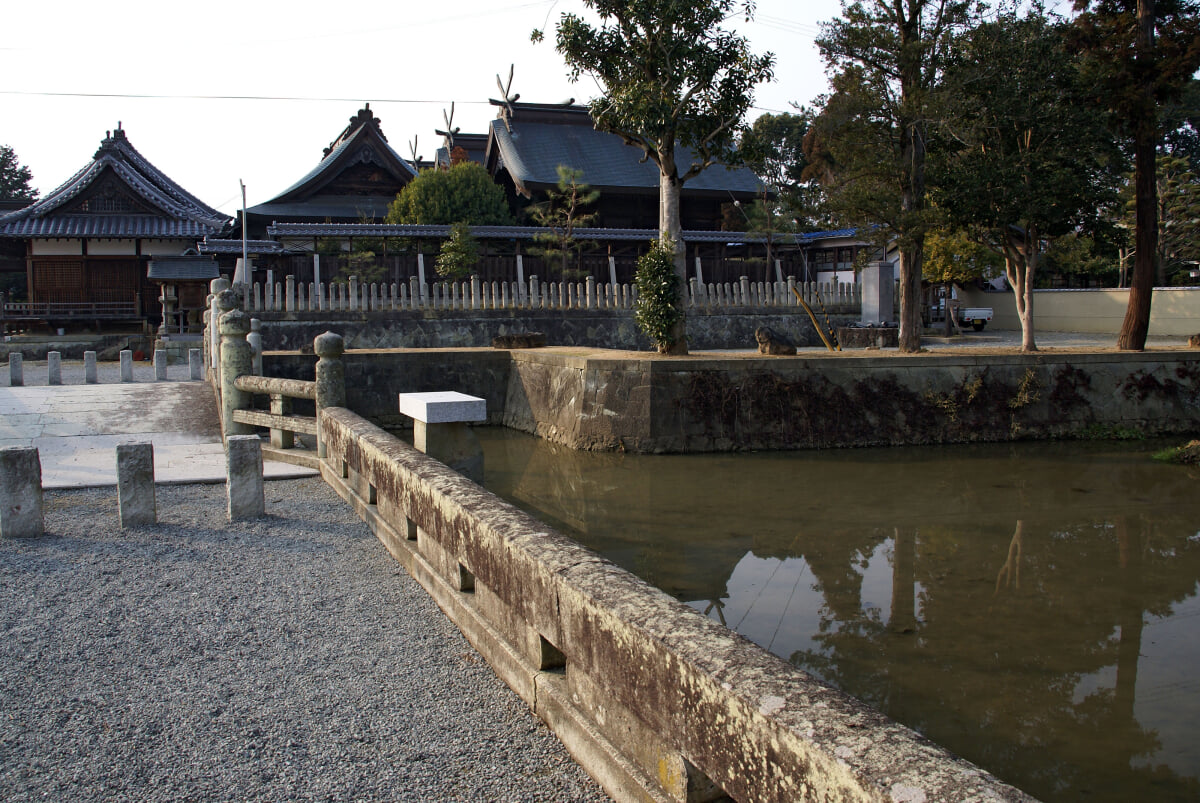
(293, 296)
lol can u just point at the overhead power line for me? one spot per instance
(137, 96)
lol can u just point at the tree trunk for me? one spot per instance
(910, 297)
(1141, 289)
(671, 230)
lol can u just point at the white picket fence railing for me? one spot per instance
(353, 296)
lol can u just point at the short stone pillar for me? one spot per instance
(878, 291)
(255, 341)
(135, 484)
(126, 365)
(20, 493)
(160, 365)
(89, 368)
(196, 364)
(331, 377)
(53, 368)
(235, 362)
(244, 477)
(16, 370)
(440, 428)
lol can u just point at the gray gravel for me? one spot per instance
(288, 658)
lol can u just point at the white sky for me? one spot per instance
(409, 60)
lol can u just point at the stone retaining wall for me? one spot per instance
(656, 701)
(613, 329)
(698, 404)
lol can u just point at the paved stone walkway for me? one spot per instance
(76, 427)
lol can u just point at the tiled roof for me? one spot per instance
(539, 142)
(320, 207)
(528, 233)
(182, 268)
(124, 226)
(362, 141)
(217, 246)
(182, 214)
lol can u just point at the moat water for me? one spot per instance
(1031, 607)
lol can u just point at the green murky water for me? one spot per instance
(1032, 607)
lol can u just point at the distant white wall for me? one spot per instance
(102, 248)
(57, 248)
(1174, 311)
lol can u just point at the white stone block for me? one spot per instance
(442, 407)
(126, 365)
(89, 367)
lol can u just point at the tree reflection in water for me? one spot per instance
(994, 598)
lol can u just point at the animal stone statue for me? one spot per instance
(1194, 342)
(769, 342)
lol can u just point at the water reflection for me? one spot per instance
(1033, 607)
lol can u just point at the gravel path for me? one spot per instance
(288, 658)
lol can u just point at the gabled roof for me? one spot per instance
(474, 144)
(361, 157)
(532, 140)
(119, 194)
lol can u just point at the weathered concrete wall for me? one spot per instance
(614, 329)
(700, 405)
(655, 700)
(1173, 311)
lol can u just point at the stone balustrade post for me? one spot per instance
(215, 288)
(16, 369)
(225, 302)
(331, 377)
(255, 341)
(195, 364)
(289, 298)
(135, 484)
(236, 360)
(21, 493)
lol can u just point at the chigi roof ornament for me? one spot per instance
(507, 100)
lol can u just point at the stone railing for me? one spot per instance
(655, 700)
(355, 296)
(236, 367)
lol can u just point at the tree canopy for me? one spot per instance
(1031, 158)
(1139, 55)
(465, 193)
(15, 178)
(871, 139)
(670, 76)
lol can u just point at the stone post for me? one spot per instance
(195, 364)
(289, 298)
(20, 493)
(16, 369)
(160, 365)
(331, 377)
(236, 360)
(224, 302)
(89, 367)
(877, 301)
(215, 288)
(244, 477)
(135, 484)
(126, 365)
(255, 341)
(53, 368)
